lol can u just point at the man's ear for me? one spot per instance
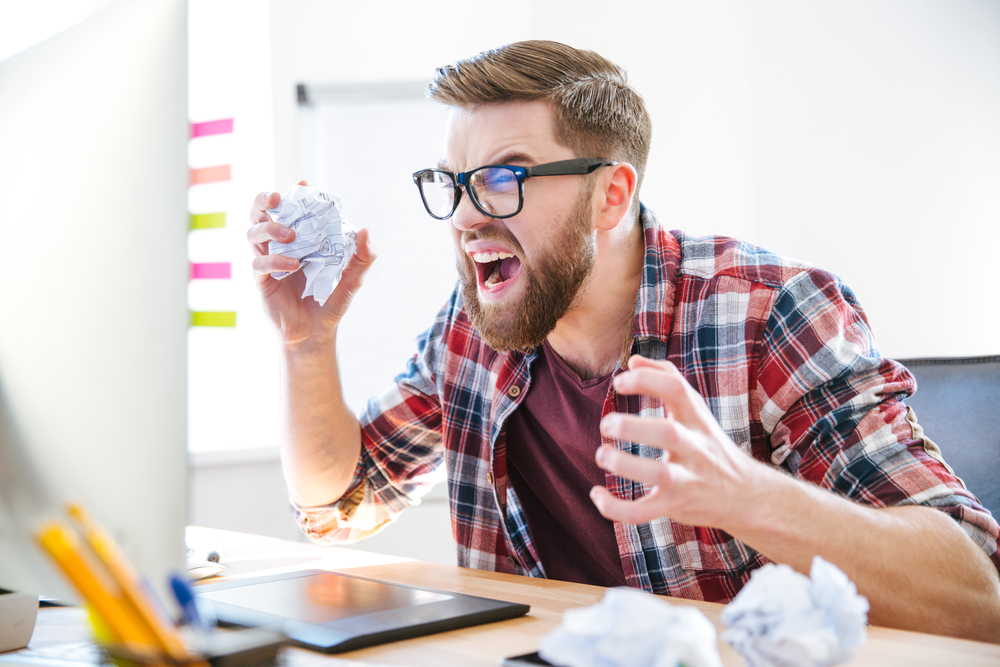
(616, 189)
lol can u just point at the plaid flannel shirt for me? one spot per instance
(781, 352)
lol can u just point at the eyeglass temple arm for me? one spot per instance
(567, 167)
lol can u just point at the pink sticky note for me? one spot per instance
(210, 127)
(210, 271)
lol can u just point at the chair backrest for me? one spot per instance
(958, 405)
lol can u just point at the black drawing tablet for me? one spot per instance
(332, 612)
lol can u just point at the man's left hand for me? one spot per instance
(703, 479)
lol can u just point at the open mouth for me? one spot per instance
(495, 268)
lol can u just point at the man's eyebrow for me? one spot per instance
(514, 157)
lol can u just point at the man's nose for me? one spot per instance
(467, 217)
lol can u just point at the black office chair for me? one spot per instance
(958, 405)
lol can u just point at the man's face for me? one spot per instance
(519, 275)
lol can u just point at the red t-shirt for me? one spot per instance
(551, 441)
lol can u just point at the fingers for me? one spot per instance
(264, 202)
(662, 380)
(261, 203)
(265, 232)
(651, 472)
(663, 383)
(626, 511)
(265, 265)
(365, 250)
(666, 433)
(638, 361)
(364, 256)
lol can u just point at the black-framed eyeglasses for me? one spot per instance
(497, 190)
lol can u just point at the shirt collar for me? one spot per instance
(654, 305)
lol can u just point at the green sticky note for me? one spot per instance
(208, 220)
(213, 319)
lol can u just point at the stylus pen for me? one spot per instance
(188, 603)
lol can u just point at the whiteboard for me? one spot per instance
(362, 143)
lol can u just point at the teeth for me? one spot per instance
(486, 257)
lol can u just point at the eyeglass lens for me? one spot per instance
(495, 189)
(438, 191)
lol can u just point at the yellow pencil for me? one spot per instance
(130, 583)
(64, 548)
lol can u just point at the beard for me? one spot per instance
(553, 283)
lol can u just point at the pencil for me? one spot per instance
(64, 548)
(130, 583)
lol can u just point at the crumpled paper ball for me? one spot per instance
(324, 241)
(630, 628)
(784, 619)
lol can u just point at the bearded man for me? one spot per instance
(614, 403)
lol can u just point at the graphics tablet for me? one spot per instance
(332, 612)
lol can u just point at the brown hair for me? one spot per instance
(598, 113)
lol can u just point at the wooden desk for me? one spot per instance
(485, 645)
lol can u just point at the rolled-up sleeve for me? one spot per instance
(835, 411)
(402, 454)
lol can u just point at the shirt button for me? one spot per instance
(512, 560)
(489, 477)
(514, 391)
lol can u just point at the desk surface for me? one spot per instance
(485, 645)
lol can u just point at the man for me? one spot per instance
(771, 429)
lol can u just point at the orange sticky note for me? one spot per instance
(210, 174)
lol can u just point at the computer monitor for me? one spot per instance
(93, 312)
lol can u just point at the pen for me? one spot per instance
(188, 603)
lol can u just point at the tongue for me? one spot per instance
(508, 267)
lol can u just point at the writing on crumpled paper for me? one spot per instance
(631, 628)
(785, 619)
(324, 241)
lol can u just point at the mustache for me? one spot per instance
(492, 233)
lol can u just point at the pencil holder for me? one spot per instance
(251, 647)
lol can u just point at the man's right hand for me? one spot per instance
(294, 318)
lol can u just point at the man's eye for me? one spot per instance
(499, 180)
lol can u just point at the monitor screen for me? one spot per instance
(93, 313)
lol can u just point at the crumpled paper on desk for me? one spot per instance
(630, 628)
(785, 619)
(324, 241)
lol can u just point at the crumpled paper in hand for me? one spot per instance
(630, 628)
(782, 618)
(324, 241)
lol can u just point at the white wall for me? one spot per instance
(877, 156)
